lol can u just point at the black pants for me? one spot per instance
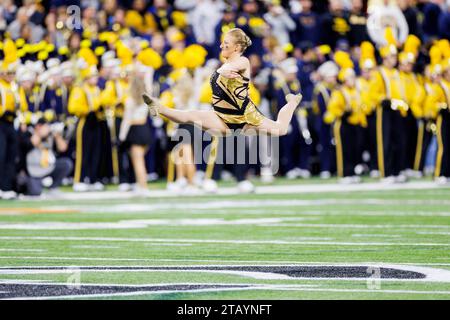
(347, 157)
(372, 140)
(424, 136)
(63, 167)
(126, 173)
(391, 141)
(443, 137)
(106, 157)
(9, 145)
(88, 149)
(232, 154)
(411, 127)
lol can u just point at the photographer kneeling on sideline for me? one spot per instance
(42, 146)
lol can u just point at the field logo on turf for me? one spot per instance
(374, 282)
(74, 279)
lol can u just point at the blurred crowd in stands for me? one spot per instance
(374, 75)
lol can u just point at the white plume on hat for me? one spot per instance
(328, 69)
(108, 55)
(36, 66)
(66, 69)
(53, 62)
(25, 74)
(289, 65)
(43, 77)
(111, 63)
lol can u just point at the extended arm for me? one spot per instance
(235, 68)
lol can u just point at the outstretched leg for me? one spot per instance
(205, 119)
(281, 125)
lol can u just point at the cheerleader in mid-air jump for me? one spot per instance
(233, 108)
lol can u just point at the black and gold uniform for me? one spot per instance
(232, 103)
(345, 110)
(84, 102)
(113, 98)
(414, 93)
(12, 100)
(386, 92)
(437, 103)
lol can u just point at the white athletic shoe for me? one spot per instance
(98, 186)
(181, 182)
(210, 186)
(388, 180)
(173, 187)
(47, 182)
(199, 177)
(415, 174)
(428, 171)
(356, 179)
(401, 178)
(359, 169)
(152, 177)
(346, 180)
(292, 174)
(80, 187)
(9, 195)
(441, 181)
(226, 176)
(304, 174)
(246, 187)
(191, 190)
(142, 192)
(374, 174)
(325, 175)
(54, 193)
(124, 187)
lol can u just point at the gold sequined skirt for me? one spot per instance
(251, 116)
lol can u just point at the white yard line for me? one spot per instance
(94, 247)
(262, 205)
(436, 233)
(286, 189)
(431, 274)
(144, 223)
(366, 235)
(21, 250)
(245, 242)
(358, 226)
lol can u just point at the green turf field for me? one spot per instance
(398, 229)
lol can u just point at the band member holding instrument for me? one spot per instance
(386, 94)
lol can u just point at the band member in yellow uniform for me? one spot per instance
(113, 97)
(12, 100)
(328, 73)
(84, 102)
(386, 94)
(367, 64)
(413, 92)
(345, 110)
(437, 104)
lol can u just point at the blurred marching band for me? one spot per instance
(374, 75)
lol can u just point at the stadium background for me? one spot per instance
(296, 221)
